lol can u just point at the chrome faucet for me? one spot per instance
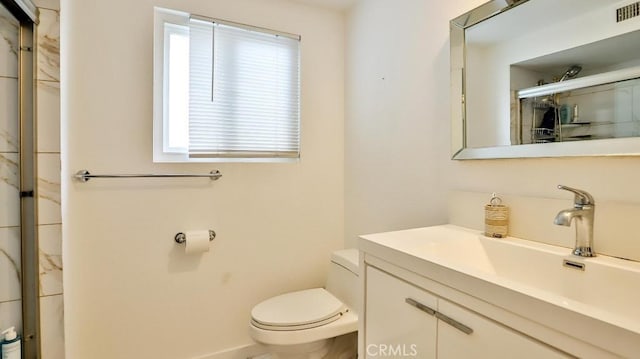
(583, 210)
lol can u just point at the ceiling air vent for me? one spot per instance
(627, 12)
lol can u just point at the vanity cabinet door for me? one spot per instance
(399, 318)
(488, 339)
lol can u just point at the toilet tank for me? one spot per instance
(342, 280)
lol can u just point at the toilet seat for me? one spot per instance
(299, 310)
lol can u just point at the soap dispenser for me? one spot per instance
(11, 344)
(496, 218)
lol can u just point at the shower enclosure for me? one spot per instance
(18, 235)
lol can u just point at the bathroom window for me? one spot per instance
(224, 91)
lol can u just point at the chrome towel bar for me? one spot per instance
(85, 176)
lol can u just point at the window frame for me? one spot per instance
(170, 29)
(161, 153)
(160, 66)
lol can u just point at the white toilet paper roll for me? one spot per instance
(197, 241)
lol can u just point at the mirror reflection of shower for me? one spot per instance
(571, 72)
(554, 113)
(548, 113)
(601, 111)
(585, 93)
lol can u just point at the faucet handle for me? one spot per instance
(582, 197)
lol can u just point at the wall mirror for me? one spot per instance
(546, 78)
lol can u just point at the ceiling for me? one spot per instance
(530, 16)
(617, 50)
(339, 5)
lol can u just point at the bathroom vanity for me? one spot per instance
(449, 292)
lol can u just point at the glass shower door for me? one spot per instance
(10, 234)
(19, 306)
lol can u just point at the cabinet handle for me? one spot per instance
(454, 323)
(422, 307)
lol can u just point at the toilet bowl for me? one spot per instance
(303, 324)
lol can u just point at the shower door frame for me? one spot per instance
(27, 14)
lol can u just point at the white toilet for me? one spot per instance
(303, 324)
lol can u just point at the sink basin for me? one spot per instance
(606, 288)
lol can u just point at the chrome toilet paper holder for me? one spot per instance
(181, 238)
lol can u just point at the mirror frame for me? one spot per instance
(459, 151)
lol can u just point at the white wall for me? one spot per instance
(404, 127)
(610, 180)
(130, 291)
(397, 113)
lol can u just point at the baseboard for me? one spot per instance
(343, 347)
(240, 352)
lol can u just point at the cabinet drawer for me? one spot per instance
(398, 322)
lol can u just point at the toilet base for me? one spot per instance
(341, 347)
(313, 350)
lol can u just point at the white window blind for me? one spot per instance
(244, 92)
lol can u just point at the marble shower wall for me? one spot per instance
(10, 274)
(48, 157)
(48, 148)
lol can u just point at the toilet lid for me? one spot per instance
(298, 310)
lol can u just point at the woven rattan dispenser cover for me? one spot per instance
(496, 218)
